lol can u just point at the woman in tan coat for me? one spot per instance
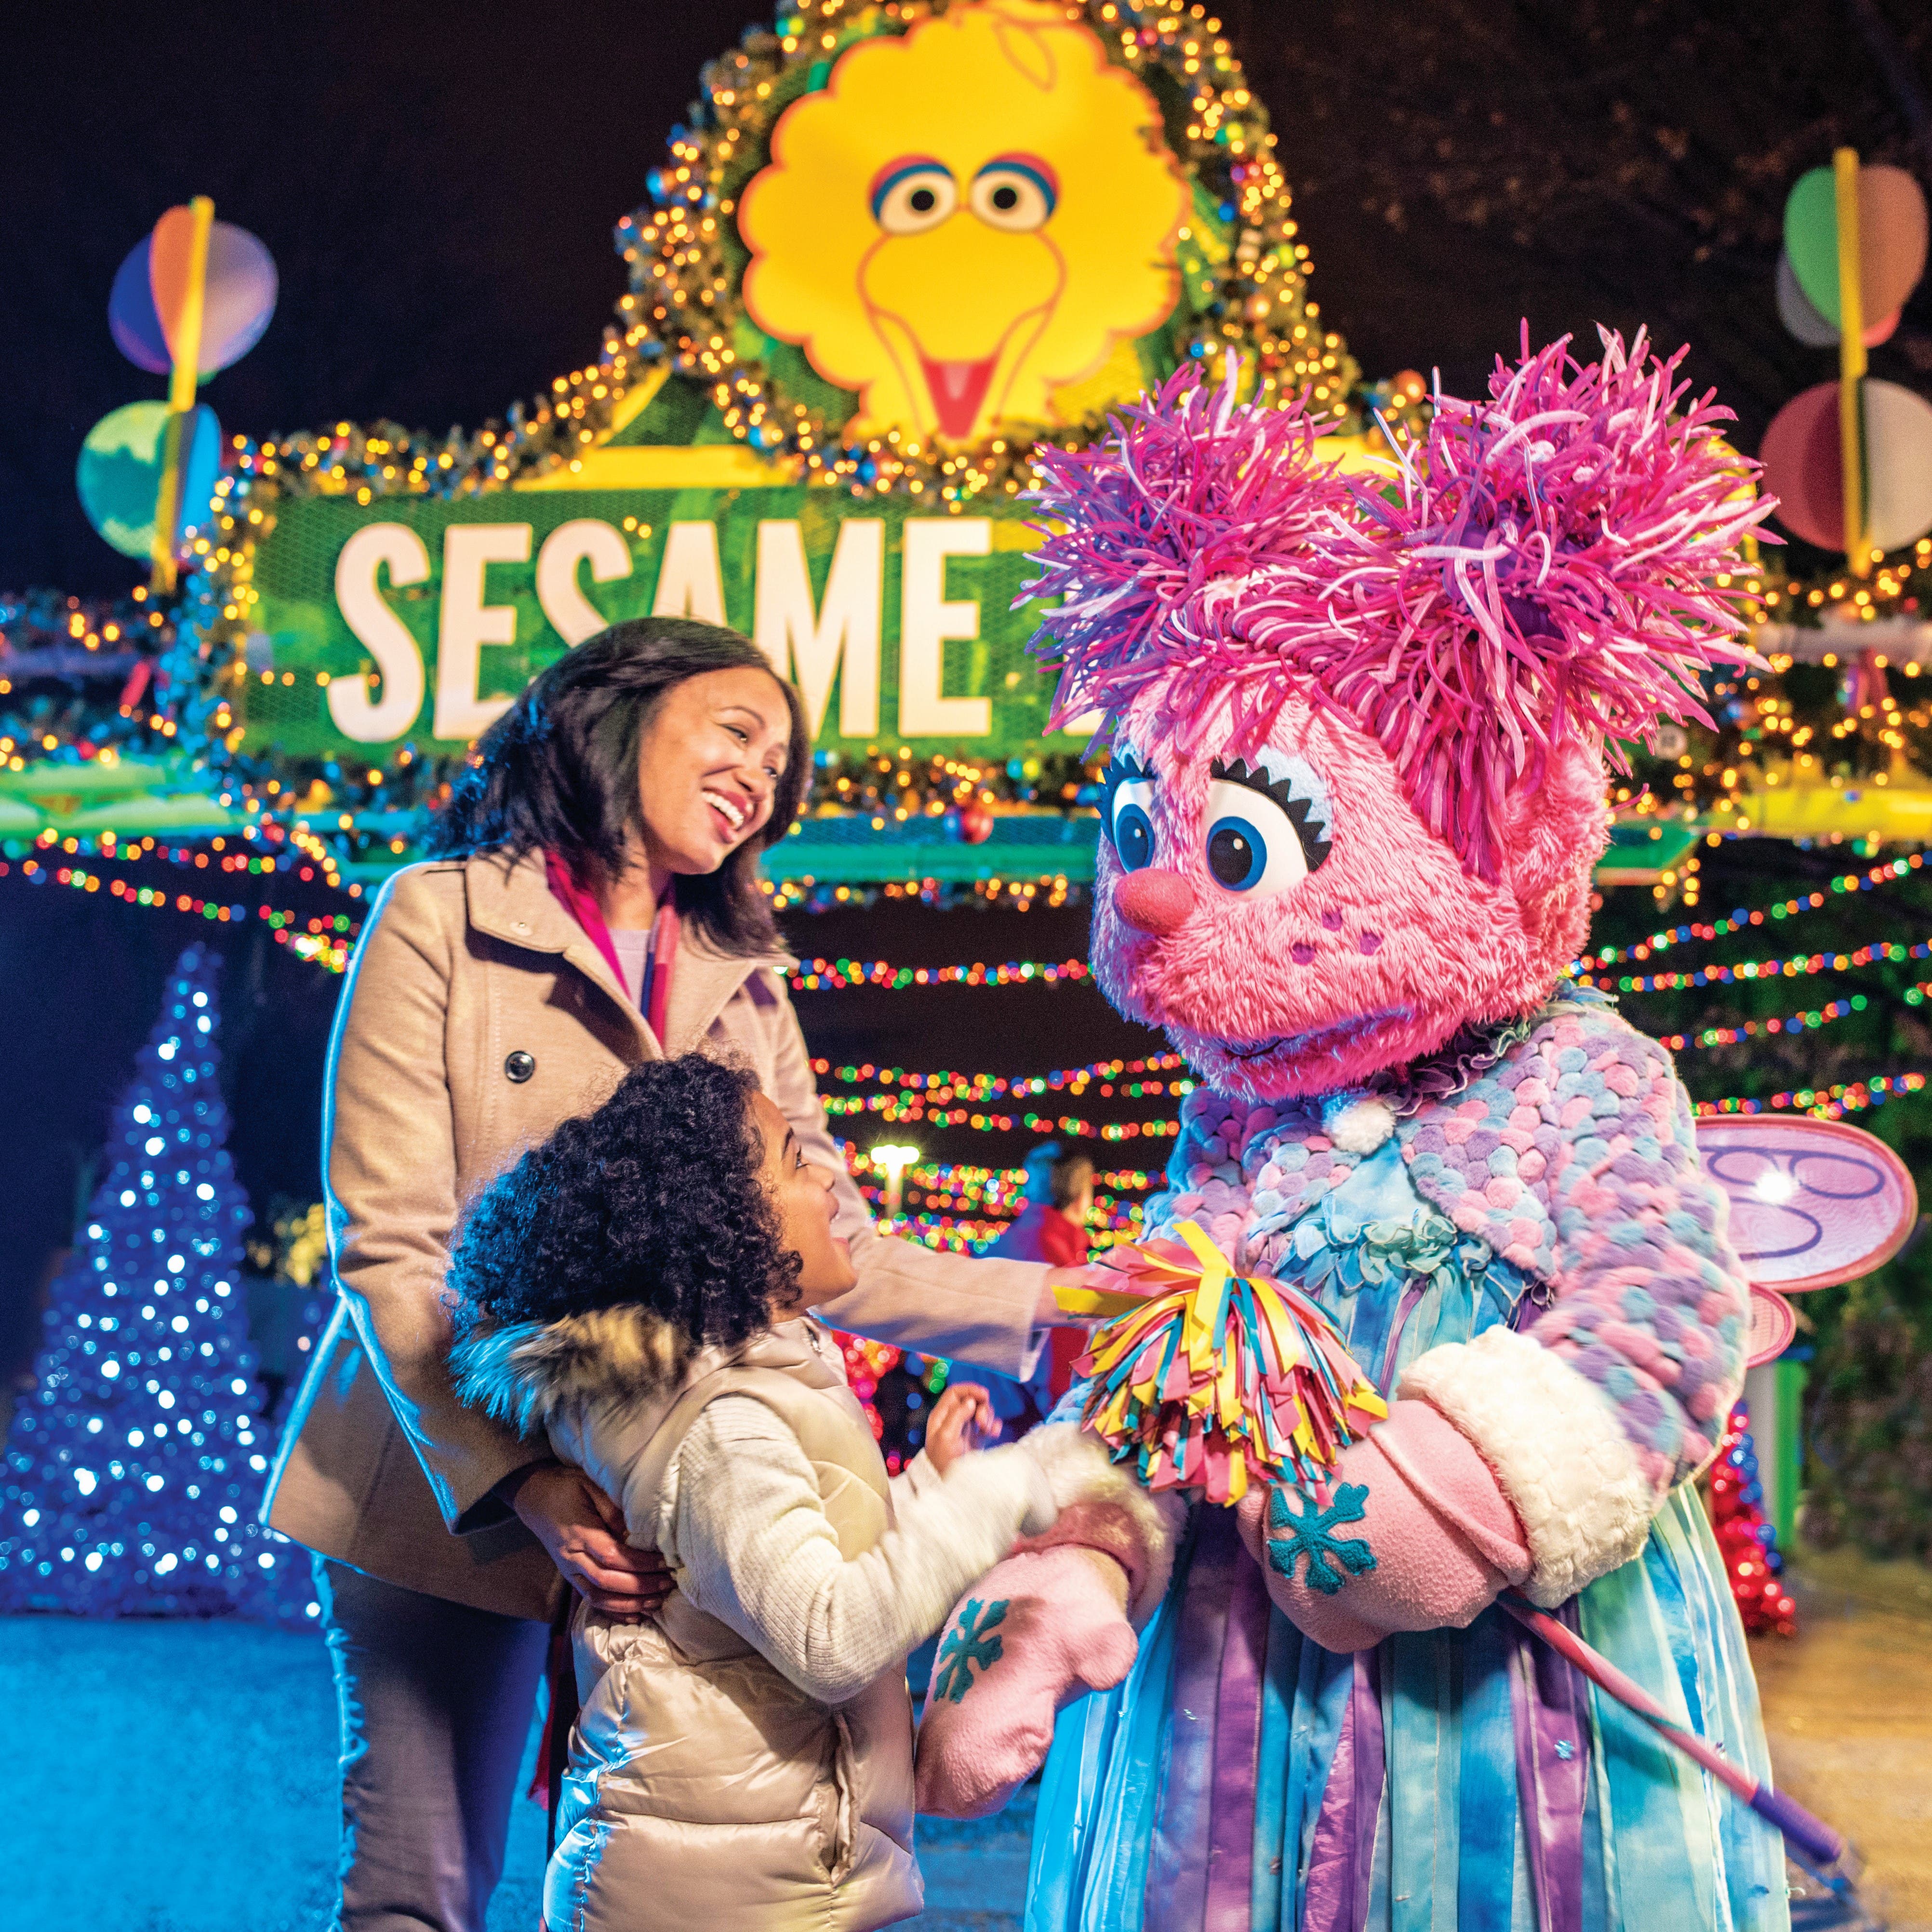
(597, 903)
(636, 1286)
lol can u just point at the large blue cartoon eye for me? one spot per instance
(1129, 822)
(1133, 835)
(1237, 853)
(1267, 829)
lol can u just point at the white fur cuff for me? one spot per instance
(1557, 1449)
(1080, 1472)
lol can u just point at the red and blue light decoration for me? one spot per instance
(1752, 1560)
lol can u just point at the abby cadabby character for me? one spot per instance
(1358, 734)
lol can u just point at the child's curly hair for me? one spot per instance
(655, 1198)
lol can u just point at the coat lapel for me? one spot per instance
(514, 904)
(702, 983)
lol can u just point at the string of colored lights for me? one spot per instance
(826, 975)
(893, 1111)
(994, 1184)
(945, 1085)
(1836, 1009)
(1744, 919)
(958, 1207)
(322, 940)
(293, 854)
(1801, 966)
(1831, 1103)
(821, 975)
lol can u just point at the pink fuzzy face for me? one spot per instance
(1292, 923)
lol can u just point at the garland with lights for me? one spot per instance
(820, 976)
(1830, 1103)
(326, 940)
(1744, 919)
(893, 1110)
(1830, 594)
(1807, 1022)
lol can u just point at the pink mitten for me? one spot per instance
(1418, 1536)
(1036, 1631)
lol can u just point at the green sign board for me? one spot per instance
(420, 618)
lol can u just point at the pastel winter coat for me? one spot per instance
(1518, 1242)
(477, 1015)
(744, 1758)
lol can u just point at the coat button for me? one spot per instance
(519, 1066)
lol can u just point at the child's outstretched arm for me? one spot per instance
(753, 1547)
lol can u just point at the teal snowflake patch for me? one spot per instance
(965, 1645)
(1314, 1537)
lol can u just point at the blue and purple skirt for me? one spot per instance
(1243, 1778)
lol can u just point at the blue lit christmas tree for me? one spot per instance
(134, 1471)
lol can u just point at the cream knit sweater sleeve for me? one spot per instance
(742, 1525)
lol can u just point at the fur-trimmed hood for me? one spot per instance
(528, 1374)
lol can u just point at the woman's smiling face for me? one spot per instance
(708, 766)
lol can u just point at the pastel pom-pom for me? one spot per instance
(1209, 1381)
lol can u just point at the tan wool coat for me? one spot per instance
(477, 1016)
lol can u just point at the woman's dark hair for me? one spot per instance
(656, 1198)
(558, 772)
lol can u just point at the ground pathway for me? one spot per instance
(177, 1777)
(1848, 1703)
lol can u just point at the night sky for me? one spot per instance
(438, 185)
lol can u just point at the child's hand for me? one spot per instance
(962, 1418)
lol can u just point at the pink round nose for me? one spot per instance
(1152, 901)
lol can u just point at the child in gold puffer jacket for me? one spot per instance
(634, 1291)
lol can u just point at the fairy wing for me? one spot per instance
(1812, 1203)
(1773, 1321)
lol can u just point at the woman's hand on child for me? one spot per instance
(583, 1530)
(963, 1419)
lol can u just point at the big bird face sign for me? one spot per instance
(966, 220)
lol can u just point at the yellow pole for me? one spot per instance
(182, 385)
(1851, 360)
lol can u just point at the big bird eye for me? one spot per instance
(912, 195)
(1129, 823)
(1267, 828)
(1017, 192)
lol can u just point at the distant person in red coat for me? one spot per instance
(1053, 1228)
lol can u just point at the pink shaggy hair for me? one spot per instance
(1546, 569)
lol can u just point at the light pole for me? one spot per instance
(892, 1161)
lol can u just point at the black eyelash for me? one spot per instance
(1314, 843)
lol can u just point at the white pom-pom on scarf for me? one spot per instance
(1356, 1124)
